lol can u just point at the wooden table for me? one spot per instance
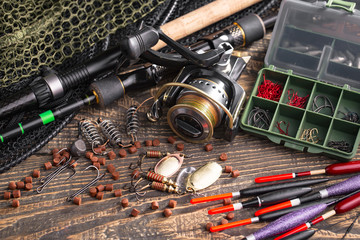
(49, 216)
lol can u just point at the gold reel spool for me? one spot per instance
(199, 104)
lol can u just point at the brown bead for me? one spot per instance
(89, 155)
(228, 169)
(230, 216)
(109, 187)
(156, 142)
(135, 212)
(148, 143)
(172, 203)
(102, 161)
(100, 195)
(180, 146)
(115, 175)
(16, 193)
(66, 154)
(15, 203)
(110, 168)
(137, 144)
(7, 195)
(94, 159)
(48, 165)
(132, 149)
(118, 193)
(209, 225)
(20, 185)
(224, 221)
(135, 174)
(97, 165)
(171, 140)
(28, 186)
(77, 200)
(111, 155)
(227, 201)
(28, 179)
(55, 151)
(223, 157)
(122, 153)
(56, 161)
(98, 150)
(167, 212)
(125, 202)
(235, 173)
(154, 205)
(100, 188)
(57, 155)
(12, 185)
(93, 191)
(208, 147)
(36, 173)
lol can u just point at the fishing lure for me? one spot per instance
(203, 177)
(169, 164)
(182, 177)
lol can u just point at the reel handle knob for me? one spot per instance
(135, 45)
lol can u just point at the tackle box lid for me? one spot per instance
(319, 40)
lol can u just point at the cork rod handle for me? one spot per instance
(201, 18)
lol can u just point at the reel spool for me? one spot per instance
(194, 116)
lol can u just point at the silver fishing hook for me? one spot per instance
(83, 189)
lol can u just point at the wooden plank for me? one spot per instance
(49, 216)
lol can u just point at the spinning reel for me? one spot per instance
(203, 101)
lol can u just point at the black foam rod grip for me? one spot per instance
(108, 90)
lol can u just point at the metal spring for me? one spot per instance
(132, 122)
(91, 133)
(163, 187)
(155, 154)
(152, 176)
(109, 130)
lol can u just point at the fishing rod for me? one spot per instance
(54, 85)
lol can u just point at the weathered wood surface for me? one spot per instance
(49, 216)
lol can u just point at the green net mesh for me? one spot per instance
(35, 33)
(62, 34)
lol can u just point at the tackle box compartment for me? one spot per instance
(314, 52)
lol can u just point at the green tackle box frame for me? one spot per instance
(333, 28)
